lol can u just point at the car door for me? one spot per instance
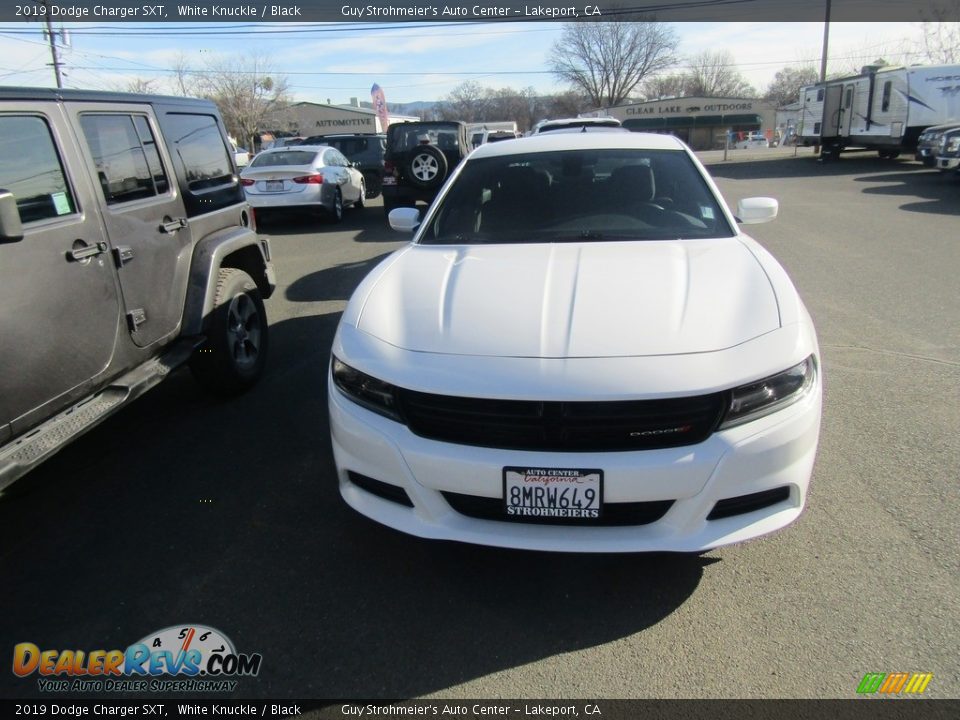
(60, 305)
(143, 213)
(347, 177)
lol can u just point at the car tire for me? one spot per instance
(335, 214)
(361, 199)
(888, 154)
(427, 168)
(373, 183)
(232, 358)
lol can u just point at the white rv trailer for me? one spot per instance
(883, 108)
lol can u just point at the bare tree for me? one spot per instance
(465, 102)
(662, 87)
(785, 88)
(607, 61)
(941, 38)
(713, 74)
(246, 92)
(141, 86)
(184, 82)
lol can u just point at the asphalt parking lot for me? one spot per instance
(185, 509)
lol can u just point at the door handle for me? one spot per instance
(87, 251)
(172, 226)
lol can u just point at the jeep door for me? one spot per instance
(143, 213)
(60, 307)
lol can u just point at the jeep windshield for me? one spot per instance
(577, 196)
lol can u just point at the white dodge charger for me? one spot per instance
(578, 351)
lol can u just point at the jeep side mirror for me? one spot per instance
(11, 229)
(404, 219)
(751, 211)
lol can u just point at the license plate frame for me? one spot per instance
(274, 185)
(562, 493)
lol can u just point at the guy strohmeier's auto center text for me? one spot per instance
(360, 12)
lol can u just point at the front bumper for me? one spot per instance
(948, 163)
(774, 452)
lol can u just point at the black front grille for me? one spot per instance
(563, 426)
(748, 503)
(612, 514)
(380, 488)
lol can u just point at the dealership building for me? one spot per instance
(308, 118)
(701, 122)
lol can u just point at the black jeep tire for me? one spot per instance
(232, 358)
(427, 168)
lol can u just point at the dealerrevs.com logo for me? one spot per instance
(180, 658)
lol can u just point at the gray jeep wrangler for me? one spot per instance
(127, 249)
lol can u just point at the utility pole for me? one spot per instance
(823, 60)
(51, 36)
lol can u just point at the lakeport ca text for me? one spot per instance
(473, 710)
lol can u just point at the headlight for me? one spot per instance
(749, 402)
(953, 144)
(365, 390)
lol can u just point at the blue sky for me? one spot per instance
(337, 61)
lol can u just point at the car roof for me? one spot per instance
(555, 141)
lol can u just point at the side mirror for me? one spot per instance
(11, 228)
(404, 219)
(755, 210)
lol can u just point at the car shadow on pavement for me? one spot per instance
(185, 509)
(334, 283)
(940, 192)
(800, 167)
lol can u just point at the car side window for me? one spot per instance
(885, 103)
(197, 141)
(123, 151)
(31, 169)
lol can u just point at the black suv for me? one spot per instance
(127, 249)
(367, 150)
(420, 157)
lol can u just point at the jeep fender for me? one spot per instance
(236, 247)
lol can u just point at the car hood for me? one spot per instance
(601, 299)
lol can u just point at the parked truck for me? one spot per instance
(883, 108)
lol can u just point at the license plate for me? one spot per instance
(274, 185)
(389, 180)
(553, 492)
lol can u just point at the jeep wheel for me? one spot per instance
(336, 212)
(233, 356)
(427, 168)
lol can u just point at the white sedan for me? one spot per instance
(579, 351)
(303, 177)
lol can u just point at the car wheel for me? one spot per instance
(336, 212)
(888, 154)
(427, 168)
(373, 183)
(362, 197)
(234, 354)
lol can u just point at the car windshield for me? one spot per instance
(578, 195)
(284, 157)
